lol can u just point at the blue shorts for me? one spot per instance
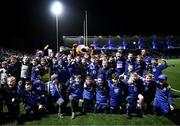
(102, 106)
(115, 102)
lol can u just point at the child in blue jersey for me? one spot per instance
(70, 65)
(106, 70)
(139, 65)
(88, 94)
(62, 72)
(144, 54)
(130, 61)
(126, 75)
(112, 62)
(69, 82)
(83, 67)
(53, 66)
(39, 85)
(163, 97)
(149, 88)
(116, 93)
(148, 66)
(55, 97)
(92, 68)
(35, 70)
(102, 94)
(134, 98)
(31, 101)
(74, 92)
(77, 66)
(40, 88)
(120, 63)
(157, 68)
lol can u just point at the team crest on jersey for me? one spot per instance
(154, 69)
(94, 72)
(116, 90)
(92, 67)
(164, 89)
(119, 65)
(135, 89)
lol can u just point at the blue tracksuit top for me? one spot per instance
(62, 74)
(132, 90)
(163, 94)
(39, 86)
(70, 68)
(129, 63)
(73, 69)
(76, 91)
(107, 72)
(135, 88)
(53, 90)
(30, 98)
(117, 93)
(157, 70)
(53, 68)
(146, 58)
(120, 67)
(102, 92)
(92, 70)
(34, 73)
(88, 92)
(115, 90)
(20, 90)
(139, 67)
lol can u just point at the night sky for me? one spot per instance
(32, 23)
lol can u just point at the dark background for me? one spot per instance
(29, 24)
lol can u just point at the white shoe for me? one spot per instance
(60, 115)
(73, 115)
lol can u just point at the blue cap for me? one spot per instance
(148, 60)
(162, 77)
(101, 76)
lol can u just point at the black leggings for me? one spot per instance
(74, 105)
(87, 105)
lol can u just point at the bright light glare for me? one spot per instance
(56, 8)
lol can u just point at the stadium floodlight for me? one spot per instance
(56, 8)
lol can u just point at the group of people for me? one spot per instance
(100, 83)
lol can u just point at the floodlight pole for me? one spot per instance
(57, 39)
(84, 31)
(56, 9)
(86, 44)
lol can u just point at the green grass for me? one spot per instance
(101, 119)
(120, 119)
(173, 74)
